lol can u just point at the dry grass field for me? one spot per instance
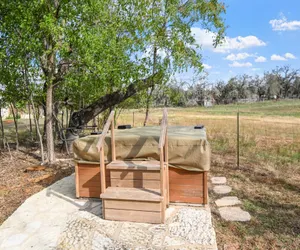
(268, 178)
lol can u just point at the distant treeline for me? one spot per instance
(282, 82)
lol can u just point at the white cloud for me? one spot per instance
(283, 24)
(275, 57)
(237, 57)
(289, 56)
(206, 38)
(240, 65)
(206, 66)
(260, 59)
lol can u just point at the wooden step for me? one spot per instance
(133, 204)
(131, 194)
(134, 165)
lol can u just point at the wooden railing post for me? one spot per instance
(113, 146)
(102, 170)
(163, 144)
(167, 170)
(100, 146)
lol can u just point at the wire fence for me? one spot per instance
(247, 136)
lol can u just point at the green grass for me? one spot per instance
(267, 108)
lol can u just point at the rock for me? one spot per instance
(222, 189)
(234, 214)
(218, 180)
(228, 201)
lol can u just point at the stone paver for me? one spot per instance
(228, 201)
(222, 189)
(55, 219)
(218, 180)
(234, 214)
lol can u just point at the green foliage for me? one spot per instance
(94, 47)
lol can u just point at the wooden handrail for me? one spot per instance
(164, 124)
(110, 120)
(100, 146)
(163, 148)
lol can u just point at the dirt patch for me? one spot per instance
(18, 181)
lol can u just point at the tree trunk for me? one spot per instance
(45, 120)
(49, 123)
(151, 89)
(149, 96)
(2, 128)
(56, 121)
(36, 122)
(83, 116)
(16, 125)
(30, 124)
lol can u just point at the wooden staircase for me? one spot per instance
(139, 189)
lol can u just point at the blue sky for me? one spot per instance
(261, 35)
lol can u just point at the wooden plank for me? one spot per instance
(93, 178)
(102, 170)
(89, 171)
(186, 187)
(113, 146)
(133, 205)
(77, 180)
(85, 177)
(91, 189)
(88, 184)
(187, 192)
(175, 173)
(164, 124)
(134, 175)
(192, 181)
(184, 199)
(166, 149)
(162, 184)
(205, 190)
(134, 165)
(148, 184)
(132, 215)
(88, 165)
(89, 194)
(105, 130)
(134, 194)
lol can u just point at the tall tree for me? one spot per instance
(97, 49)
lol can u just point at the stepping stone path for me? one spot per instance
(218, 180)
(222, 189)
(234, 214)
(228, 201)
(225, 204)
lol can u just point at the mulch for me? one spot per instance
(21, 176)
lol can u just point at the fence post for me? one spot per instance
(238, 139)
(133, 119)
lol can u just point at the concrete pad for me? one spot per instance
(222, 189)
(228, 201)
(234, 214)
(218, 180)
(55, 219)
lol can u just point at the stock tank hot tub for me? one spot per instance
(189, 162)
